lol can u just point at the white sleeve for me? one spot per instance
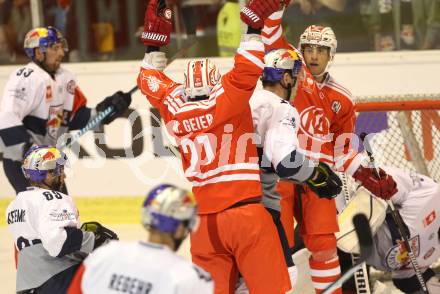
(20, 96)
(261, 114)
(195, 280)
(281, 135)
(58, 225)
(281, 142)
(410, 185)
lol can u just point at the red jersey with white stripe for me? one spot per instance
(326, 110)
(215, 135)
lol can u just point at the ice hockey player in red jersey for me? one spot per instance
(326, 134)
(210, 118)
(168, 214)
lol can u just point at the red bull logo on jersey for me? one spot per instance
(49, 95)
(398, 258)
(54, 121)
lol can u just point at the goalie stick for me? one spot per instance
(363, 233)
(361, 278)
(397, 218)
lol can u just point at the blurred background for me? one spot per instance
(102, 30)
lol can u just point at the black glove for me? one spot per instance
(120, 102)
(102, 234)
(324, 182)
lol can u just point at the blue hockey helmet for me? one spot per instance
(167, 206)
(39, 160)
(43, 37)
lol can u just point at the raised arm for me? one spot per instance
(160, 90)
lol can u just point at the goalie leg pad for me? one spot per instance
(362, 202)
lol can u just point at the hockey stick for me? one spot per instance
(397, 218)
(106, 112)
(363, 232)
(361, 278)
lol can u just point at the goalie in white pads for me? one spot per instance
(168, 214)
(417, 201)
(44, 224)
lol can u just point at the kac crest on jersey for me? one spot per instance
(314, 123)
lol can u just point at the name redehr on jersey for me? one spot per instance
(16, 216)
(126, 284)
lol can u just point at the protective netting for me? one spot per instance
(408, 139)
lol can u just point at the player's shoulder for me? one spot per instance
(65, 73)
(30, 74)
(266, 98)
(338, 89)
(34, 194)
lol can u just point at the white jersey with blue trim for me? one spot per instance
(418, 202)
(275, 123)
(38, 108)
(44, 225)
(143, 267)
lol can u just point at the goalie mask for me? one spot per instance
(166, 207)
(200, 77)
(319, 36)
(39, 160)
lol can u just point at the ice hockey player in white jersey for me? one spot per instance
(41, 101)
(44, 224)
(417, 201)
(275, 123)
(152, 267)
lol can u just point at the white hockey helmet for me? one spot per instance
(279, 61)
(167, 206)
(319, 36)
(39, 160)
(200, 77)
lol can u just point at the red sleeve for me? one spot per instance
(75, 285)
(160, 91)
(79, 100)
(239, 83)
(272, 33)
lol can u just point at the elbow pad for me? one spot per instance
(296, 167)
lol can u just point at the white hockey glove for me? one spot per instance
(156, 59)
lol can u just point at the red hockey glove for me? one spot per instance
(384, 188)
(256, 11)
(157, 25)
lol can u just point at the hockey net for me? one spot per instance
(406, 131)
